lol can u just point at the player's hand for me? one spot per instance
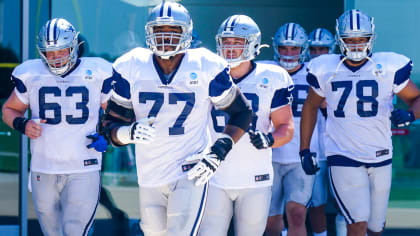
(140, 132)
(207, 164)
(261, 140)
(33, 128)
(98, 142)
(308, 161)
(402, 118)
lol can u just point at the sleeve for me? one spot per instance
(107, 83)
(121, 89)
(283, 96)
(402, 76)
(314, 81)
(20, 88)
(222, 90)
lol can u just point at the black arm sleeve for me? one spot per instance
(240, 111)
(114, 116)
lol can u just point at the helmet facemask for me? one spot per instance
(167, 44)
(227, 51)
(356, 52)
(290, 62)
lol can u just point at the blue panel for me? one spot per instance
(403, 74)
(121, 85)
(20, 86)
(107, 85)
(281, 97)
(312, 80)
(220, 83)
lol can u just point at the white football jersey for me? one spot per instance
(267, 88)
(71, 105)
(359, 103)
(289, 153)
(181, 104)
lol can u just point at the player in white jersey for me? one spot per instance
(242, 186)
(168, 91)
(358, 87)
(320, 42)
(64, 94)
(292, 187)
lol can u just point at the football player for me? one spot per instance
(162, 103)
(290, 45)
(64, 93)
(245, 192)
(320, 42)
(359, 86)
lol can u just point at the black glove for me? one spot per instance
(261, 140)
(401, 118)
(308, 161)
(222, 146)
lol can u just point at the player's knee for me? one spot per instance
(358, 227)
(73, 228)
(296, 215)
(274, 226)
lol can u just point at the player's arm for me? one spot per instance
(282, 120)
(240, 115)
(308, 121)
(309, 118)
(410, 94)
(13, 115)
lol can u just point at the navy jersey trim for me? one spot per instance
(20, 86)
(403, 74)
(301, 68)
(163, 78)
(121, 85)
(220, 83)
(339, 160)
(238, 80)
(107, 85)
(281, 97)
(354, 68)
(312, 80)
(72, 69)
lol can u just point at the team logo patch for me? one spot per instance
(264, 83)
(382, 152)
(379, 72)
(90, 162)
(88, 75)
(193, 79)
(187, 167)
(259, 178)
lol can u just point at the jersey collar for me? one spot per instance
(163, 78)
(72, 69)
(238, 80)
(295, 72)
